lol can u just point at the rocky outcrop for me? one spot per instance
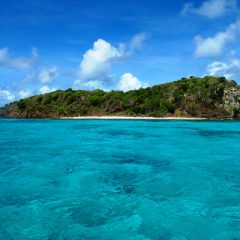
(231, 101)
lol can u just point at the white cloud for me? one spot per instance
(211, 8)
(46, 89)
(90, 85)
(17, 62)
(230, 69)
(214, 46)
(24, 94)
(6, 97)
(138, 41)
(97, 60)
(129, 82)
(48, 75)
(94, 69)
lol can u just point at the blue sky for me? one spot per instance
(124, 45)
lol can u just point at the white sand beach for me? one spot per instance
(133, 118)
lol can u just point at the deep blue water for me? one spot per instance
(123, 180)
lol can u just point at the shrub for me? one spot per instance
(21, 104)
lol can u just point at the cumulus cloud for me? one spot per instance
(211, 8)
(229, 69)
(129, 82)
(7, 60)
(97, 60)
(214, 46)
(5, 97)
(24, 94)
(46, 89)
(48, 75)
(94, 69)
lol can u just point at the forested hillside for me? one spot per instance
(208, 97)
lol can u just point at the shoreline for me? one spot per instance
(131, 118)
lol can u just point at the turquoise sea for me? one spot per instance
(119, 180)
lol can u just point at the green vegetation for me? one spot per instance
(197, 97)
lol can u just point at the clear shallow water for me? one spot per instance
(136, 180)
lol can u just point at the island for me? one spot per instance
(205, 98)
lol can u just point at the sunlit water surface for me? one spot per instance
(119, 180)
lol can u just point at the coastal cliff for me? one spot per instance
(208, 97)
